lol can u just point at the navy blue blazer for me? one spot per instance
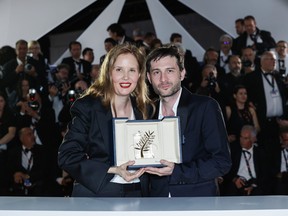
(205, 150)
(86, 152)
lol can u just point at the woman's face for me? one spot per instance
(2, 103)
(241, 95)
(125, 74)
(25, 86)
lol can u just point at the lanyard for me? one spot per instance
(272, 84)
(247, 162)
(286, 159)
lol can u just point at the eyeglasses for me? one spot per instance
(284, 47)
(225, 42)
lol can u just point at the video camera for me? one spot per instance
(33, 103)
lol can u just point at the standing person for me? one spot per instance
(205, 147)
(7, 133)
(87, 150)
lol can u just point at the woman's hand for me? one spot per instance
(124, 173)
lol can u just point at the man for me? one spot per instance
(240, 29)
(205, 147)
(266, 90)
(280, 169)
(225, 51)
(249, 60)
(109, 43)
(249, 174)
(260, 40)
(191, 63)
(27, 166)
(117, 32)
(79, 68)
(88, 54)
(282, 58)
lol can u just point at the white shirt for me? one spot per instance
(243, 169)
(284, 160)
(273, 101)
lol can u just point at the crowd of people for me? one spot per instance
(56, 135)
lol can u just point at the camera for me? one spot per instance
(73, 95)
(32, 103)
(282, 72)
(59, 84)
(252, 182)
(27, 67)
(246, 63)
(211, 80)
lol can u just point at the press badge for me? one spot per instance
(274, 93)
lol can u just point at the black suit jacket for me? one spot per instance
(262, 170)
(267, 44)
(87, 149)
(205, 150)
(256, 93)
(86, 68)
(39, 171)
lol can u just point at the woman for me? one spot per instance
(87, 149)
(7, 133)
(240, 114)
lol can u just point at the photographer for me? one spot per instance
(18, 67)
(249, 174)
(249, 60)
(59, 88)
(212, 86)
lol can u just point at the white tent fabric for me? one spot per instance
(31, 19)
(93, 36)
(165, 24)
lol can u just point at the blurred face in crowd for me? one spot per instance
(246, 139)
(235, 64)
(21, 51)
(62, 74)
(125, 74)
(239, 28)
(27, 137)
(177, 40)
(225, 45)
(34, 49)
(207, 71)
(75, 51)
(248, 54)
(108, 46)
(284, 139)
(250, 26)
(89, 56)
(282, 49)
(2, 103)
(241, 95)
(165, 76)
(268, 62)
(25, 86)
(211, 57)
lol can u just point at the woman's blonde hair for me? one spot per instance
(103, 86)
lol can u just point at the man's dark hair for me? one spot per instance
(162, 52)
(74, 43)
(175, 35)
(117, 28)
(86, 50)
(240, 20)
(110, 40)
(249, 17)
(61, 66)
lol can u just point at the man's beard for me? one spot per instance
(171, 92)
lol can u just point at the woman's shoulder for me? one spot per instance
(87, 102)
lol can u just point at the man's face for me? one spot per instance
(248, 54)
(225, 45)
(282, 49)
(21, 50)
(113, 35)
(250, 26)
(62, 74)
(212, 57)
(177, 40)
(27, 137)
(165, 76)
(108, 46)
(246, 140)
(268, 62)
(284, 139)
(75, 51)
(239, 28)
(235, 64)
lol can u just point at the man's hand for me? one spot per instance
(164, 171)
